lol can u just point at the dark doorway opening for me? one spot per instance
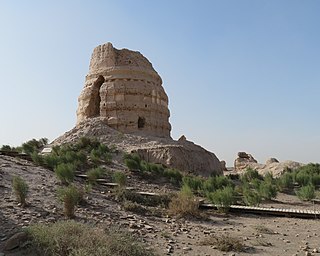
(94, 105)
(141, 122)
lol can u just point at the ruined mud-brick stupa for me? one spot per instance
(123, 87)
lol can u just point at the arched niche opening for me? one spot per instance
(141, 122)
(94, 104)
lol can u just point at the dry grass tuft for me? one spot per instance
(224, 243)
(184, 204)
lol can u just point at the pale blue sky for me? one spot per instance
(240, 75)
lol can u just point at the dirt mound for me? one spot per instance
(183, 155)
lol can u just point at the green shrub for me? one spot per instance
(223, 198)
(251, 197)
(303, 178)
(34, 145)
(20, 188)
(306, 192)
(175, 176)
(217, 182)
(285, 181)
(193, 182)
(70, 238)
(156, 200)
(65, 172)
(184, 204)
(37, 159)
(267, 190)
(269, 178)
(132, 164)
(94, 174)
(6, 148)
(50, 161)
(249, 175)
(120, 178)
(100, 154)
(70, 196)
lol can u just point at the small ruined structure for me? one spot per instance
(123, 87)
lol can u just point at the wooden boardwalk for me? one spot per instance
(281, 212)
(241, 209)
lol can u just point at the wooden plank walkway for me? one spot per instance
(281, 212)
(242, 209)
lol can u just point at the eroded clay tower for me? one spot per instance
(123, 87)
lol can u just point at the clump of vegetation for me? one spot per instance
(267, 190)
(156, 200)
(263, 230)
(70, 196)
(184, 204)
(173, 175)
(70, 238)
(65, 172)
(224, 243)
(77, 154)
(193, 182)
(134, 207)
(20, 188)
(94, 174)
(133, 162)
(223, 198)
(306, 192)
(285, 182)
(250, 175)
(120, 178)
(7, 148)
(251, 197)
(34, 146)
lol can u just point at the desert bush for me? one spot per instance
(94, 174)
(120, 178)
(70, 238)
(251, 197)
(20, 188)
(134, 207)
(174, 175)
(306, 192)
(268, 177)
(65, 173)
(184, 204)
(193, 182)
(132, 164)
(249, 175)
(100, 154)
(217, 182)
(70, 196)
(303, 178)
(223, 198)
(285, 181)
(34, 145)
(156, 200)
(224, 243)
(267, 190)
(50, 161)
(6, 148)
(37, 159)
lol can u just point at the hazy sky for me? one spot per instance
(240, 75)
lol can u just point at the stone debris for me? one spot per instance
(245, 160)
